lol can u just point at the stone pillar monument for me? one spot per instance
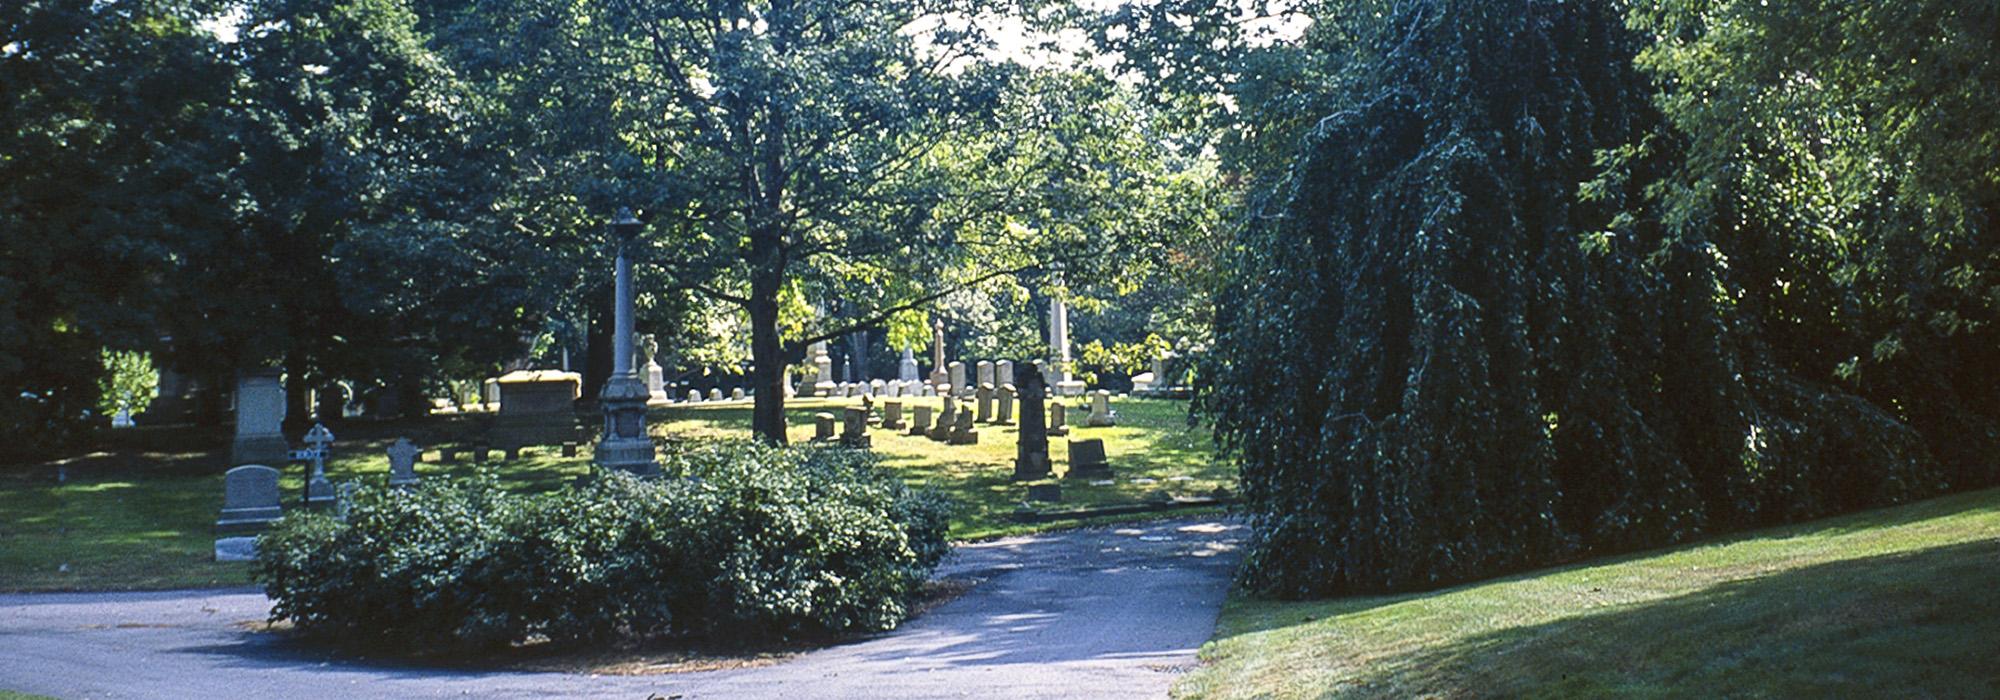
(624, 445)
(1059, 348)
(938, 372)
(1031, 458)
(260, 414)
(823, 384)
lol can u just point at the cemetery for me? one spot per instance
(1043, 350)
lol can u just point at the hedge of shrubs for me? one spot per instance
(739, 542)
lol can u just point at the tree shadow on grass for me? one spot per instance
(1923, 623)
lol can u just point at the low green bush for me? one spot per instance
(738, 542)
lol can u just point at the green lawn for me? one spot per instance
(1903, 602)
(140, 512)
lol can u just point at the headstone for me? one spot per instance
(694, 396)
(823, 385)
(1101, 414)
(249, 500)
(921, 425)
(260, 417)
(1003, 373)
(123, 418)
(985, 373)
(947, 417)
(537, 407)
(854, 428)
(984, 402)
(489, 394)
(736, 394)
(1087, 461)
(962, 432)
(403, 462)
(877, 387)
(569, 449)
(319, 491)
(959, 386)
(656, 388)
(1031, 454)
(715, 394)
(822, 427)
(1143, 382)
(906, 369)
(1045, 493)
(892, 415)
(1003, 412)
(1058, 418)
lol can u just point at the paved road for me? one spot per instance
(1099, 613)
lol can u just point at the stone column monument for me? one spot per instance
(938, 373)
(260, 413)
(823, 385)
(1059, 348)
(1031, 456)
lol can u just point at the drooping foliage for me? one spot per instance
(1458, 342)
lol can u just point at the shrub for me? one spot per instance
(740, 542)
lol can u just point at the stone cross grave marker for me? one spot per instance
(403, 462)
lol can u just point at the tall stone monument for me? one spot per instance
(260, 417)
(1059, 347)
(656, 387)
(823, 385)
(938, 374)
(1031, 456)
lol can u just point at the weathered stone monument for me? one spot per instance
(984, 403)
(938, 374)
(656, 388)
(715, 394)
(959, 387)
(737, 394)
(921, 424)
(984, 372)
(947, 418)
(1003, 410)
(823, 385)
(403, 462)
(1087, 461)
(1058, 418)
(319, 491)
(1101, 414)
(906, 369)
(249, 505)
(822, 427)
(854, 428)
(694, 396)
(537, 407)
(892, 415)
(1003, 373)
(1031, 455)
(260, 417)
(1059, 346)
(962, 432)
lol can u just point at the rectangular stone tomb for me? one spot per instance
(537, 407)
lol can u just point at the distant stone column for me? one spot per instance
(823, 385)
(1059, 348)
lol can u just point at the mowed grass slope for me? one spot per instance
(140, 512)
(1901, 602)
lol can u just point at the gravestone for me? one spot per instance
(984, 403)
(877, 387)
(656, 388)
(823, 383)
(892, 415)
(694, 396)
(569, 449)
(854, 431)
(1101, 414)
(403, 462)
(736, 394)
(1003, 411)
(959, 387)
(1031, 454)
(984, 374)
(1003, 373)
(1087, 461)
(715, 394)
(921, 425)
(1142, 383)
(260, 417)
(537, 407)
(962, 432)
(906, 369)
(947, 418)
(249, 500)
(1058, 418)
(1045, 493)
(822, 427)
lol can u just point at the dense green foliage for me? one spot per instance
(739, 541)
(1479, 329)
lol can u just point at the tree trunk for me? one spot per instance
(767, 353)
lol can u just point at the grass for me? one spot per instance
(1890, 603)
(138, 512)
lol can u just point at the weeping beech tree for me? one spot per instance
(1458, 343)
